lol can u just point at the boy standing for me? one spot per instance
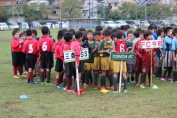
(30, 49)
(45, 45)
(104, 49)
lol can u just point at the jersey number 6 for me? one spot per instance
(44, 46)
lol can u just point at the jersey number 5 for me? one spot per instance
(44, 46)
(30, 48)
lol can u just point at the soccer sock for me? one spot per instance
(169, 69)
(143, 76)
(61, 78)
(128, 79)
(31, 76)
(164, 73)
(45, 73)
(83, 77)
(96, 79)
(125, 84)
(136, 77)
(69, 82)
(20, 69)
(110, 80)
(28, 78)
(103, 80)
(42, 76)
(115, 83)
(175, 75)
(132, 78)
(57, 81)
(15, 70)
(48, 76)
(160, 71)
(90, 77)
(87, 78)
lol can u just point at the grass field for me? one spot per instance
(49, 102)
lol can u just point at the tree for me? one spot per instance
(101, 9)
(71, 8)
(3, 14)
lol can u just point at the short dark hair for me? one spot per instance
(96, 33)
(89, 31)
(28, 32)
(65, 30)
(21, 34)
(45, 30)
(14, 32)
(159, 31)
(60, 34)
(113, 30)
(34, 32)
(78, 34)
(119, 34)
(17, 29)
(147, 33)
(168, 29)
(150, 27)
(129, 32)
(136, 34)
(82, 29)
(109, 28)
(72, 31)
(122, 27)
(139, 29)
(68, 36)
(175, 32)
(98, 28)
(118, 28)
(155, 27)
(142, 31)
(107, 32)
(127, 26)
(113, 35)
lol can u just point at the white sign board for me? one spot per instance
(69, 55)
(151, 44)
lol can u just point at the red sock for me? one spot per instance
(30, 74)
(15, 70)
(57, 81)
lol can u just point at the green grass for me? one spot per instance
(49, 102)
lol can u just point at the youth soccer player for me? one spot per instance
(100, 29)
(104, 49)
(30, 49)
(45, 45)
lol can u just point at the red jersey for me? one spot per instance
(45, 44)
(54, 46)
(146, 55)
(59, 51)
(138, 43)
(101, 37)
(16, 46)
(76, 46)
(30, 46)
(121, 46)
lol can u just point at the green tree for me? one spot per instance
(3, 14)
(101, 9)
(71, 8)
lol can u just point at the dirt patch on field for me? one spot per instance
(4, 39)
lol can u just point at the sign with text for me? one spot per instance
(122, 56)
(152, 44)
(69, 55)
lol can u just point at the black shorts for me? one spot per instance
(16, 59)
(23, 58)
(30, 61)
(46, 60)
(59, 65)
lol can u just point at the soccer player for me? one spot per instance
(152, 29)
(104, 49)
(30, 49)
(174, 51)
(45, 45)
(168, 54)
(100, 29)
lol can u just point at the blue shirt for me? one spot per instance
(174, 44)
(136, 39)
(167, 43)
(154, 35)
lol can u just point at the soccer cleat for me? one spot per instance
(60, 87)
(42, 83)
(133, 82)
(96, 87)
(65, 88)
(16, 76)
(102, 88)
(23, 76)
(48, 84)
(162, 79)
(86, 86)
(93, 83)
(33, 82)
(25, 73)
(125, 90)
(112, 87)
(170, 79)
(137, 84)
(114, 92)
(145, 84)
(129, 83)
(70, 90)
(142, 86)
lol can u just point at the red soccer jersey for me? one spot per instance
(45, 44)
(101, 37)
(76, 46)
(54, 46)
(59, 51)
(30, 46)
(16, 45)
(138, 43)
(121, 46)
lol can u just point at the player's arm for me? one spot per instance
(24, 49)
(95, 48)
(39, 47)
(15, 44)
(174, 51)
(100, 47)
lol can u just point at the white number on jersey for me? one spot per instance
(44, 46)
(122, 48)
(30, 48)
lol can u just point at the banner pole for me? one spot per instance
(151, 69)
(77, 80)
(120, 78)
